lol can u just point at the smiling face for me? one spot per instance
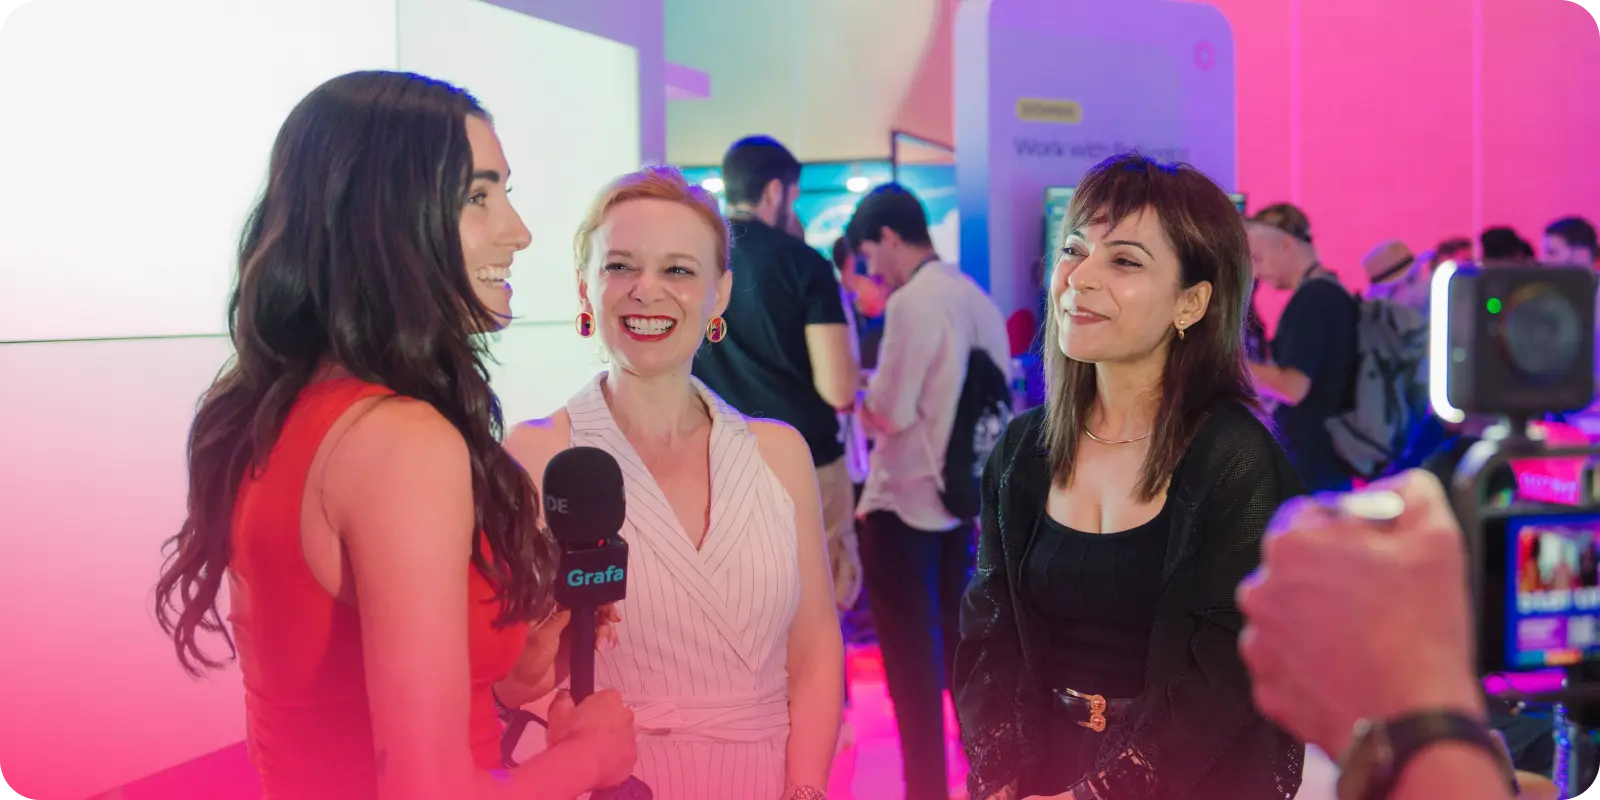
(652, 283)
(491, 230)
(1116, 292)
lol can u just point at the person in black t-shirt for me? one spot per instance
(1314, 351)
(787, 354)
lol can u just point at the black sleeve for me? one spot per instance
(1178, 730)
(989, 675)
(819, 289)
(1319, 320)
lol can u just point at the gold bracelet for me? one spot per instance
(805, 793)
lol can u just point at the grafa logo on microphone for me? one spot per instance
(611, 574)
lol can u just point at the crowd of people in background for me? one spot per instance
(1070, 572)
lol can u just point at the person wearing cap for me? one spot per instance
(1394, 274)
(1314, 351)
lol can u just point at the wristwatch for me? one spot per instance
(1379, 751)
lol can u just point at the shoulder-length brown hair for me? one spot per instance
(1203, 370)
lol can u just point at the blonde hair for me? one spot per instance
(652, 183)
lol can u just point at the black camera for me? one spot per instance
(1511, 347)
(1517, 339)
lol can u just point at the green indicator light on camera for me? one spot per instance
(1494, 305)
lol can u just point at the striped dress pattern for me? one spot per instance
(703, 647)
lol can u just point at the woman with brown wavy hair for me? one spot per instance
(382, 550)
(1097, 656)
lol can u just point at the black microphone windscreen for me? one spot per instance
(583, 495)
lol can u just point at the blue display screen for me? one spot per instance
(1553, 590)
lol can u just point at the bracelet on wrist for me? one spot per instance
(805, 793)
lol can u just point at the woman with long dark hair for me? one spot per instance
(1098, 655)
(382, 550)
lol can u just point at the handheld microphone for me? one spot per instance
(585, 505)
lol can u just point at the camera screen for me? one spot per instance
(1554, 591)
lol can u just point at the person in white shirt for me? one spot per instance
(916, 557)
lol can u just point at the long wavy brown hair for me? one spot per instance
(1206, 369)
(353, 256)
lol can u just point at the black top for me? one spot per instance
(1194, 723)
(1097, 592)
(1317, 336)
(763, 368)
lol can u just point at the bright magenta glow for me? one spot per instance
(1444, 124)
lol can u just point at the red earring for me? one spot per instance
(585, 324)
(716, 329)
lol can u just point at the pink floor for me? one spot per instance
(867, 767)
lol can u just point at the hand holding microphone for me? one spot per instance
(585, 505)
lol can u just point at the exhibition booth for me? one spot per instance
(148, 127)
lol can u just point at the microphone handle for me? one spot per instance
(631, 789)
(583, 631)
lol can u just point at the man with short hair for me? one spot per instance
(915, 555)
(787, 352)
(1503, 246)
(1314, 351)
(1570, 242)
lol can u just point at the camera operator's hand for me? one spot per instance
(1349, 619)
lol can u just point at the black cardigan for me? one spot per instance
(1195, 725)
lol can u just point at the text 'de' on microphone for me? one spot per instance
(584, 505)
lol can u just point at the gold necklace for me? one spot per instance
(1091, 435)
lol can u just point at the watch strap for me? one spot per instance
(1408, 736)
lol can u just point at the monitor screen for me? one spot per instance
(1056, 200)
(1553, 591)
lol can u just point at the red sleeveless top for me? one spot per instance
(309, 732)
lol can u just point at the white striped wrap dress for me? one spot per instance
(702, 650)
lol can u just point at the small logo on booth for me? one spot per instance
(1060, 112)
(1205, 56)
(611, 574)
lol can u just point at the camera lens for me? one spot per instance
(1541, 333)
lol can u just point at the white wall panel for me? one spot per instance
(566, 108)
(136, 138)
(92, 480)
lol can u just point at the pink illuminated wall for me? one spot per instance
(1417, 120)
(928, 110)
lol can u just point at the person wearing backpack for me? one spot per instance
(932, 412)
(1314, 351)
(1391, 427)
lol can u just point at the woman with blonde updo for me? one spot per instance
(730, 653)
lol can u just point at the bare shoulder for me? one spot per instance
(399, 433)
(394, 446)
(779, 440)
(785, 451)
(533, 443)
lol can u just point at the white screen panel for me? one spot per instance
(566, 108)
(144, 136)
(93, 436)
(540, 368)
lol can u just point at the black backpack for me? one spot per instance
(982, 413)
